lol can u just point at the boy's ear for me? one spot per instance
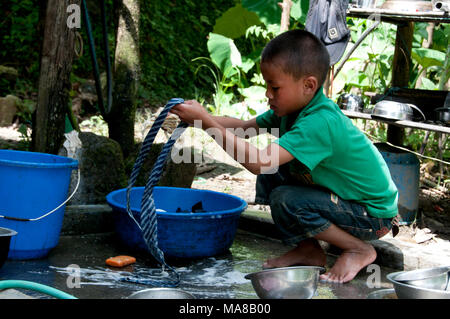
(310, 84)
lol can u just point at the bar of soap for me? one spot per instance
(120, 261)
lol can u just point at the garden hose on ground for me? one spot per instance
(23, 284)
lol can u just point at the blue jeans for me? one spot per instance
(302, 211)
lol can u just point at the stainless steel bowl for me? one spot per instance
(396, 111)
(432, 278)
(299, 282)
(405, 291)
(5, 242)
(350, 102)
(161, 293)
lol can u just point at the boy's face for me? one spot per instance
(285, 93)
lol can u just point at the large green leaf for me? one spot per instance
(267, 10)
(299, 10)
(235, 21)
(254, 92)
(428, 57)
(441, 36)
(223, 52)
(428, 84)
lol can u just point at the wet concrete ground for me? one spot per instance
(219, 277)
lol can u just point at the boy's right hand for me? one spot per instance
(191, 111)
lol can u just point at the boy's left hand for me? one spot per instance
(189, 111)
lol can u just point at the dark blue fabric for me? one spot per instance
(302, 211)
(148, 221)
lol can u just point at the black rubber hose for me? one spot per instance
(107, 57)
(94, 60)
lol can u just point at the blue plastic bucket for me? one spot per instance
(31, 185)
(183, 235)
(405, 172)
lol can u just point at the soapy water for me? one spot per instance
(206, 278)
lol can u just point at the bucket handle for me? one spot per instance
(50, 212)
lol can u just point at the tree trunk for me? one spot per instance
(54, 79)
(126, 76)
(285, 14)
(401, 68)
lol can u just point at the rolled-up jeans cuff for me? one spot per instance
(294, 240)
(261, 200)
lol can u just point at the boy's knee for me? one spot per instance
(279, 195)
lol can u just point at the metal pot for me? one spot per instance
(5, 240)
(350, 102)
(396, 111)
(443, 115)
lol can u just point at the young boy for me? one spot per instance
(332, 184)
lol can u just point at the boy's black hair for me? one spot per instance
(301, 54)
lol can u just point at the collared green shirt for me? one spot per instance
(325, 143)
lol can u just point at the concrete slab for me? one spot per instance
(87, 240)
(13, 294)
(77, 267)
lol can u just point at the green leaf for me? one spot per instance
(205, 19)
(235, 21)
(420, 28)
(224, 53)
(440, 38)
(299, 10)
(254, 92)
(428, 57)
(427, 84)
(247, 64)
(267, 10)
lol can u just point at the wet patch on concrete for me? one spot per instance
(77, 266)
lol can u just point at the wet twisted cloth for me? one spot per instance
(148, 221)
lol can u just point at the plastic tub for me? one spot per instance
(183, 235)
(31, 185)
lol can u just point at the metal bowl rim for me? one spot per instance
(391, 278)
(445, 269)
(253, 274)
(9, 232)
(160, 289)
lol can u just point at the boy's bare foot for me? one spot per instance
(307, 253)
(349, 263)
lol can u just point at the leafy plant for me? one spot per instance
(238, 83)
(432, 61)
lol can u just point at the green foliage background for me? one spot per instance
(172, 33)
(209, 50)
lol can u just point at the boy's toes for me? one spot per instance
(330, 278)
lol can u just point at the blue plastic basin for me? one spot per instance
(182, 235)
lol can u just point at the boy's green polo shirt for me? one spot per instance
(336, 153)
